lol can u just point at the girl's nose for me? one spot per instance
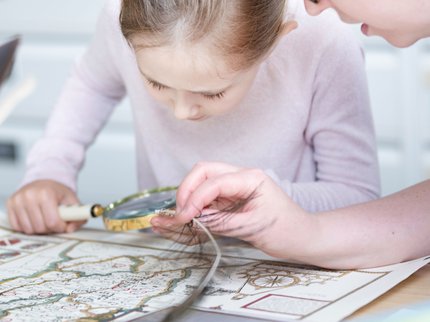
(315, 7)
(182, 112)
(184, 107)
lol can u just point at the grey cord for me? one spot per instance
(175, 312)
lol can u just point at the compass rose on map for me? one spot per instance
(270, 281)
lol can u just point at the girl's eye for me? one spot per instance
(214, 96)
(155, 85)
(160, 87)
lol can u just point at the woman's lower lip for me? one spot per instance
(365, 29)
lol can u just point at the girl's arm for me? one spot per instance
(85, 104)
(53, 163)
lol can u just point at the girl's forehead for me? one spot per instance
(191, 63)
(188, 56)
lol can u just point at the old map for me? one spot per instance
(95, 275)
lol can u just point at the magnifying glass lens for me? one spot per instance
(141, 206)
(130, 213)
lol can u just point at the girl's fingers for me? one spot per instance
(71, 199)
(24, 222)
(13, 221)
(53, 220)
(12, 216)
(67, 198)
(74, 225)
(34, 208)
(35, 216)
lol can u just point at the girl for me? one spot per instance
(215, 80)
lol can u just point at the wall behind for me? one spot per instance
(399, 83)
(56, 32)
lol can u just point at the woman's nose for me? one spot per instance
(315, 7)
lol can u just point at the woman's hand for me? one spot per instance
(241, 203)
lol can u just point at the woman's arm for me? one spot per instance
(388, 230)
(380, 232)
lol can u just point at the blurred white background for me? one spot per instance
(55, 32)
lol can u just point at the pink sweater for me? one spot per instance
(306, 120)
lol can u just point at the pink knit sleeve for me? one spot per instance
(85, 104)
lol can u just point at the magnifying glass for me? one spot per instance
(130, 213)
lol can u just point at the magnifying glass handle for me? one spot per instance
(79, 212)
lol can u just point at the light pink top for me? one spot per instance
(306, 120)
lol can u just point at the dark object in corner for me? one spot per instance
(7, 57)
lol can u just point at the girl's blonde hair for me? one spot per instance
(243, 31)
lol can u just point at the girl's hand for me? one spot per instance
(34, 208)
(241, 203)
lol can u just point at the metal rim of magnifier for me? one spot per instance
(134, 223)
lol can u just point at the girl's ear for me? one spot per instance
(287, 27)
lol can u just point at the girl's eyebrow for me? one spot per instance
(214, 92)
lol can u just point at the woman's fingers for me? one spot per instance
(184, 234)
(199, 174)
(227, 188)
